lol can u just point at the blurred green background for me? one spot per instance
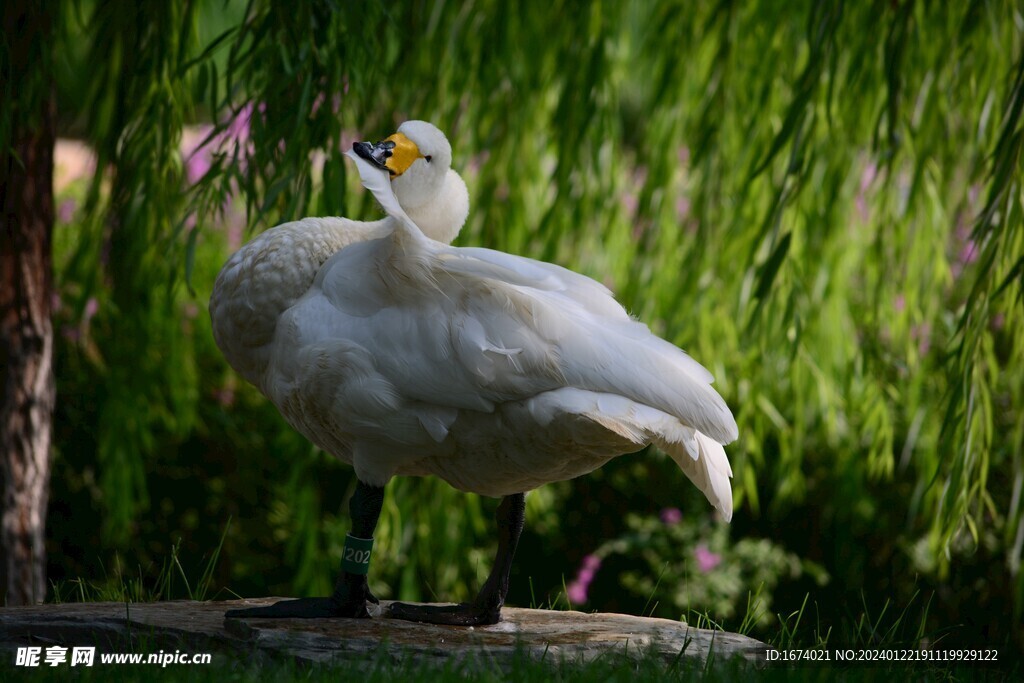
(819, 201)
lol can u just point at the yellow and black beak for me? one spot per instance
(394, 154)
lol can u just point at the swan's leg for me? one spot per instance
(351, 592)
(486, 608)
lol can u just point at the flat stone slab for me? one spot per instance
(201, 627)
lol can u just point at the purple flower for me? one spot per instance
(899, 303)
(670, 516)
(706, 560)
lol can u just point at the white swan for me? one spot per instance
(402, 355)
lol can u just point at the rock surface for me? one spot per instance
(201, 627)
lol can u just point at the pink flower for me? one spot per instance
(682, 208)
(867, 177)
(899, 303)
(706, 560)
(321, 99)
(922, 334)
(91, 308)
(629, 203)
(239, 125)
(640, 176)
(234, 236)
(671, 516)
(349, 138)
(198, 156)
(477, 161)
(967, 250)
(969, 253)
(233, 140)
(66, 210)
(576, 592)
(197, 164)
(225, 396)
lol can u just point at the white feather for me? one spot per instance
(403, 355)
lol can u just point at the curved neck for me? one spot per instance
(442, 217)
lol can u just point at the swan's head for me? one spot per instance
(419, 158)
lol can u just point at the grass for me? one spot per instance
(122, 588)
(241, 667)
(382, 668)
(890, 629)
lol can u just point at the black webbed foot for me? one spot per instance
(349, 600)
(486, 608)
(351, 593)
(464, 614)
(301, 608)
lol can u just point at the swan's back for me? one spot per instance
(267, 276)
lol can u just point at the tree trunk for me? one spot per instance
(26, 285)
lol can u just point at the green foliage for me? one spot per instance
(692, 564)
(821, 202)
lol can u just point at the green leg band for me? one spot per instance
(355, 558)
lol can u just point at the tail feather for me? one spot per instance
(704, 462)
(702, 458)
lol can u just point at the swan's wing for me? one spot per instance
(480, 332)
(524, 272)
(589, 295)
(582, 338)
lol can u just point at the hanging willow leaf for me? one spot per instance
(846, 175)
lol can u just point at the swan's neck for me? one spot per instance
(441, 215)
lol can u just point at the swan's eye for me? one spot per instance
(428, 158)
